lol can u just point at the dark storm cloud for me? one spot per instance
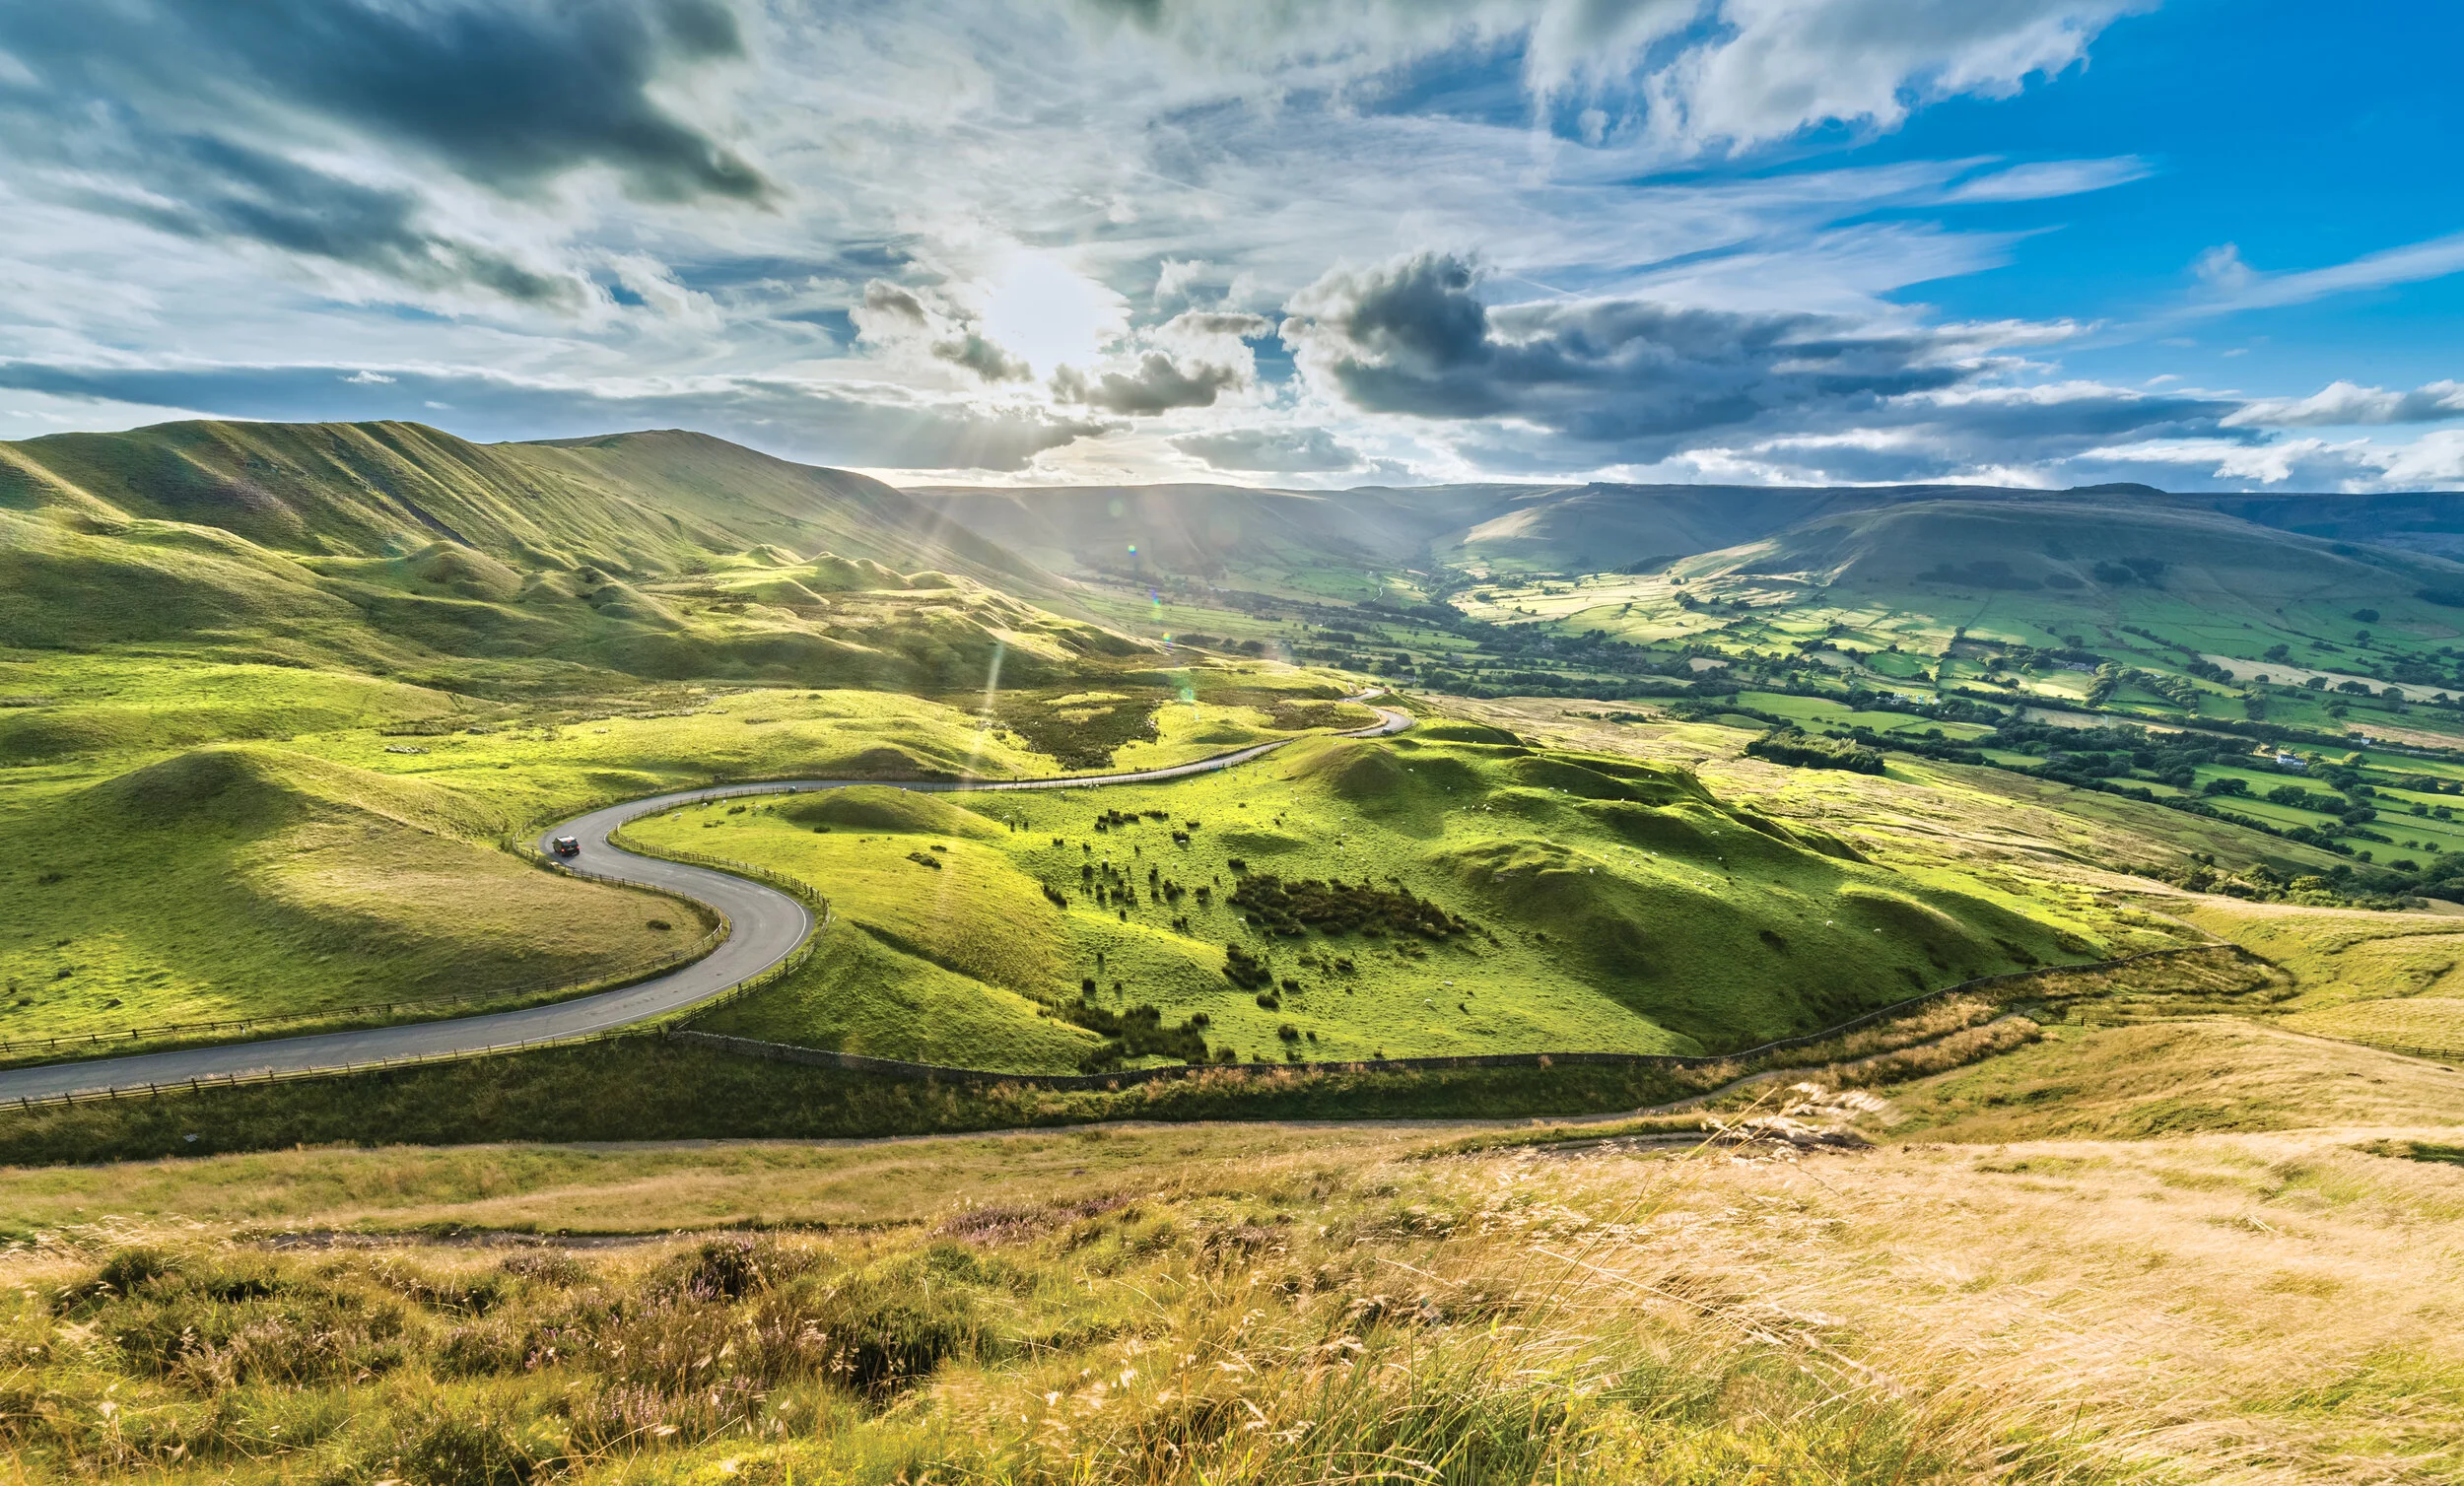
(1158, 386)
(1642, 381)
(504, 93)
(827, 423)
(201, 118)
(1238, 324)
(981, 357)
(889, 298)
(1271, 451)
(239, 193)
(1416, 338)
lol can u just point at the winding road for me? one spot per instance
(766, 926)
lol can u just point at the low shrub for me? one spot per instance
(1798, 749)
(1291, 907)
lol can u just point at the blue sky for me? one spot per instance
(2200, 245)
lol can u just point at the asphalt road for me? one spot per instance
(766, 926)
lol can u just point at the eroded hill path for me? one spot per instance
(766, 926)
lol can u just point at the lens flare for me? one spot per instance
(985, 719)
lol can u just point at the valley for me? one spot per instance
(980, 879)
(440, 648)
(1178, 743)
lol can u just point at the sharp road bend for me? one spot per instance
(765, 928)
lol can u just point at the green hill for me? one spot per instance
(1342, 544)
(249, 880)
(289, 681)
(2098, 552)
(387, 547)
(1448, 892)
(642, 503)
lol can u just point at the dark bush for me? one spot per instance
(1340, 906)
(1244, 969)
(1138, 1032)
(1802, 750)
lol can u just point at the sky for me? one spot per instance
(2203, 244)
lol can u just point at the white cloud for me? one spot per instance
(1052, 235)
(2344, 404)
(1782, 65)
(2235, 285)
(2435, 461)
(2046, 179)
(2221, 268)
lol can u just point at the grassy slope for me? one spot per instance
(1946, 824)
(634, 502)
(347, 855)
(642, 1187)
(396, 549)
(2337, 956)
(251, 881)
(520, 625)
(1025, 1343)
(2036, 1282)
(1343, 545)
(2175, 1077)
(1632, 912)
(278, 526)
(2433, 1023)
(648, 1089)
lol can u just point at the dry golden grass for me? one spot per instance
(2254, 1308)
(652, 1186)
(2189, 1249)
(2340, 955)
(2273, 1307)
(2177, 1077)
(2432, 1022)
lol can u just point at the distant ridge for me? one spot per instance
(635, 502)
(1578, 527)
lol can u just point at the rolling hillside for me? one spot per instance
(2098, 552)
(1450, 890)
(1333, 542)
(1605, 528)
(550, 622)
(396, 549)
(640, 503)
(1219, 531)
